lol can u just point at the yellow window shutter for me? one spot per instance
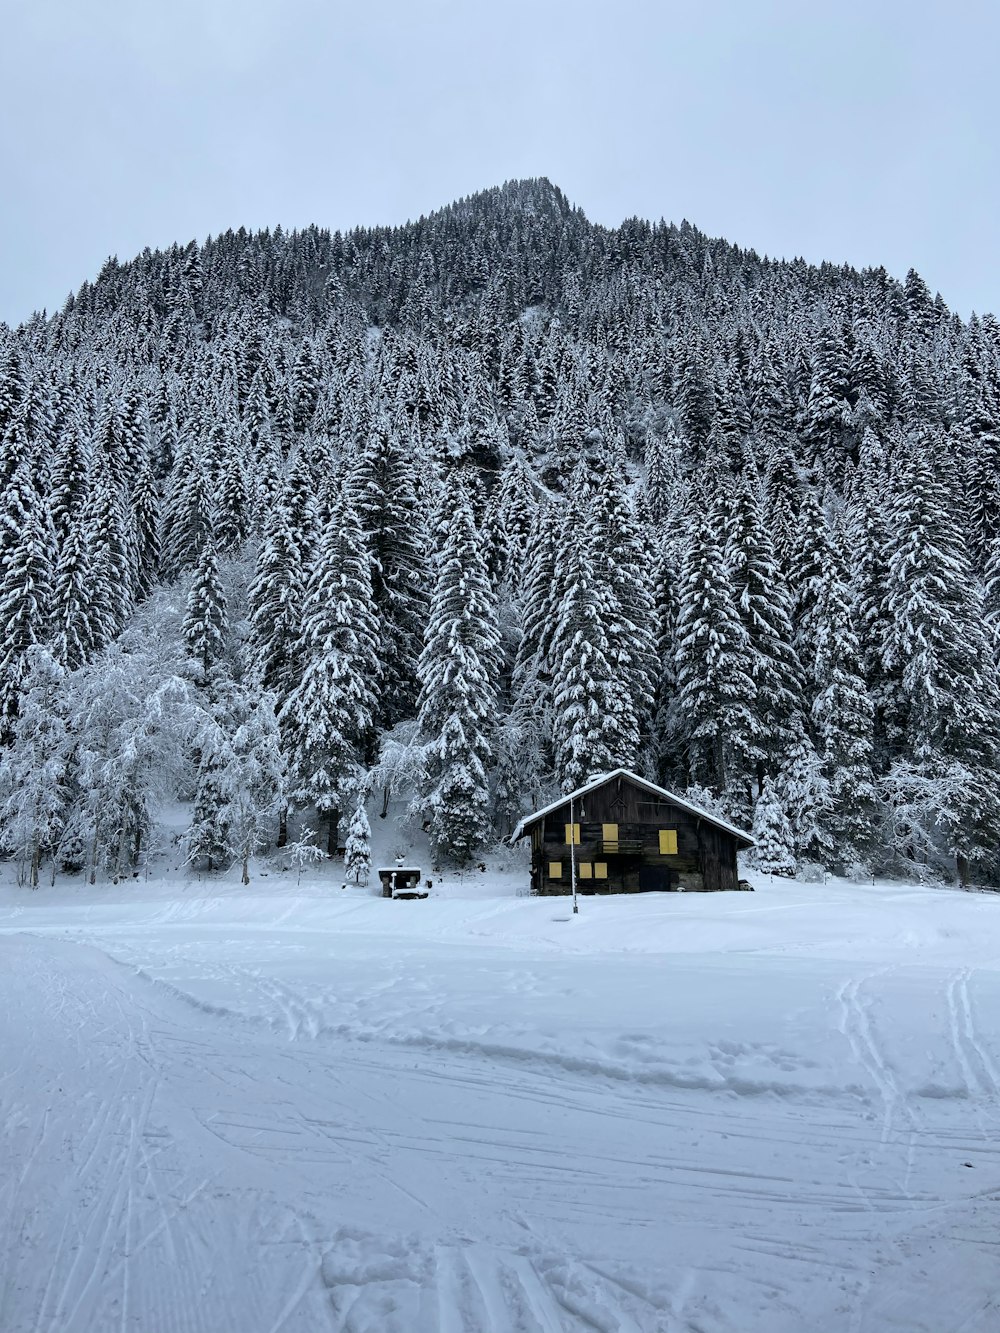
(555, 870)
(600, 869)
(572, 834)
(668, 842)
(585, 871)
(609, 836)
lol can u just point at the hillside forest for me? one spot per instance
(449, 517)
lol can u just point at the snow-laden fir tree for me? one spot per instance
(34, 778)
(621, 533)
(276, 596)
(76, 630)
(773, 853)
(765, 609)
(458, 693)
(938, 642)
(383, 488)
(328, 720)
(27, 542)
(205, 619)
(594, 723)
(843, 721)
(805, 796)
(358, 848)
(716, 694)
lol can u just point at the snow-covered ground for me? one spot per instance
(294, 1107)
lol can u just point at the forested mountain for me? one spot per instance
(470, 509)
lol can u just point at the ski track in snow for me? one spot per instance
(209, 1126)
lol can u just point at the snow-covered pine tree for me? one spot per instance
(70, 476)
(205, 619)
(843, 720)
(621, 533)
(34, 779)
(27, 543)
(382, 486)
(76, 630)
(805, 793)
(765, 609)
(773, 853)
(112, 544)
(358, 849)
(145, 527)
(594, 723)
(254, 781)
(206, 841)
(939, 643)
(458, 693)
(328, 719)
(276, 597)
(716, 694)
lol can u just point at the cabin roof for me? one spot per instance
(744, 839)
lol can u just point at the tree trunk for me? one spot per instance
(385, 803)
(246, 870)
(333, 828)
(283, 826)
(720, 763)
(962, 866)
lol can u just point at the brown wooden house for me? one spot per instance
(627, 835)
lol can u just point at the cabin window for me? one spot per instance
(600, 869)
(585, 870)
(555, 870)
(668, 842)
(572, 834)
(609, 837)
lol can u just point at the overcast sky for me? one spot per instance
(846, 131)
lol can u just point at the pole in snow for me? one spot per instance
(572, 856)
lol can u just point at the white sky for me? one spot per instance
(849, 130)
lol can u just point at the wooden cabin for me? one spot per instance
(629, 836)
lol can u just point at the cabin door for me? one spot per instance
(654, 879)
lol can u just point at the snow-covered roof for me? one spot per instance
(602, 778)
(399, 870)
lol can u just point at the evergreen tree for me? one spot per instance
(276, 597)
(25, 588)
(765, 610)
(843, 719)
(77, 630)
(205, 621)
(34, 778)
(938, 642)
(772, 833)
(716, 695)
(383, 490)
(329, 718)
(458, 693)
(357, 851)
(594, 722)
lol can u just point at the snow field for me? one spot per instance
(295, 1107)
